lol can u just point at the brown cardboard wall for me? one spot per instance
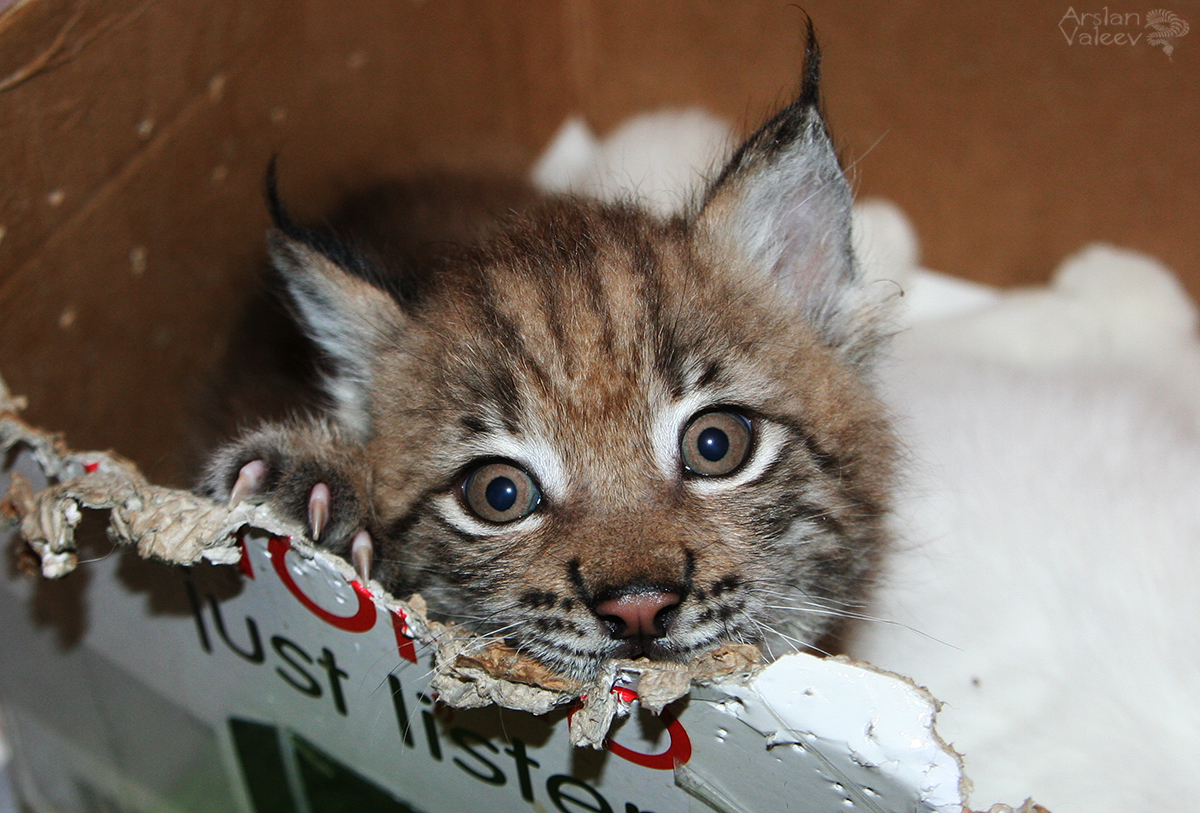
(134, 135)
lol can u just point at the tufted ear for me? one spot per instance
(350, 318)
(781, 209)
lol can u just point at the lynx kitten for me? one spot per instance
(596, 433)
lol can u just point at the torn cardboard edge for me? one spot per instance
(178, 527)
(181, 528)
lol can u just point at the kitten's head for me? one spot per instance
(600, 434)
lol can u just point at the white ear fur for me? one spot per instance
(783, 208)
(350, 319)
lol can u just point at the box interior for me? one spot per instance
(135, 137)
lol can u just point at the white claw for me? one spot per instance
(362, 552)
(318, 509)
(249, 478)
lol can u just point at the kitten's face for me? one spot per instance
(652, 431)
(602, 435)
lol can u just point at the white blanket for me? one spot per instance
(1043, 583)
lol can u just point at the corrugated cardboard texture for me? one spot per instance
(135, 135)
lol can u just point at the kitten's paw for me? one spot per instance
(250, 480)
(306, 473)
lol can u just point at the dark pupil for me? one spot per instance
(501, 493)
(713, 444)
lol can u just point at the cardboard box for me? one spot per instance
(277, 684)
(135, 137)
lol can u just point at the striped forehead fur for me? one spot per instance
(585, 284)
(596, 327)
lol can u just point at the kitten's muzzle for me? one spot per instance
(642, 615)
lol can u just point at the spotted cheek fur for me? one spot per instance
(548, 600)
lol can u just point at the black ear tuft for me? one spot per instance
(279, 213)
(326, 244)
(791, 124)
(781, 209)
(810, 90)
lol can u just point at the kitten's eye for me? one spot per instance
(500, 492)
(716, 443)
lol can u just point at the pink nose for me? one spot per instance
(637, 613)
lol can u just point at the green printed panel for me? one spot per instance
(324, 784)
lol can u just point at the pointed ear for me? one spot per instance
(781, 211)
(351, 320)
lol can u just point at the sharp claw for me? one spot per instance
(318, 509)
(249, 478)
(362, 552)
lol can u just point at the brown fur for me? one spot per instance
(576, 342)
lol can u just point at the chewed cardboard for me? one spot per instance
(275, 681)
